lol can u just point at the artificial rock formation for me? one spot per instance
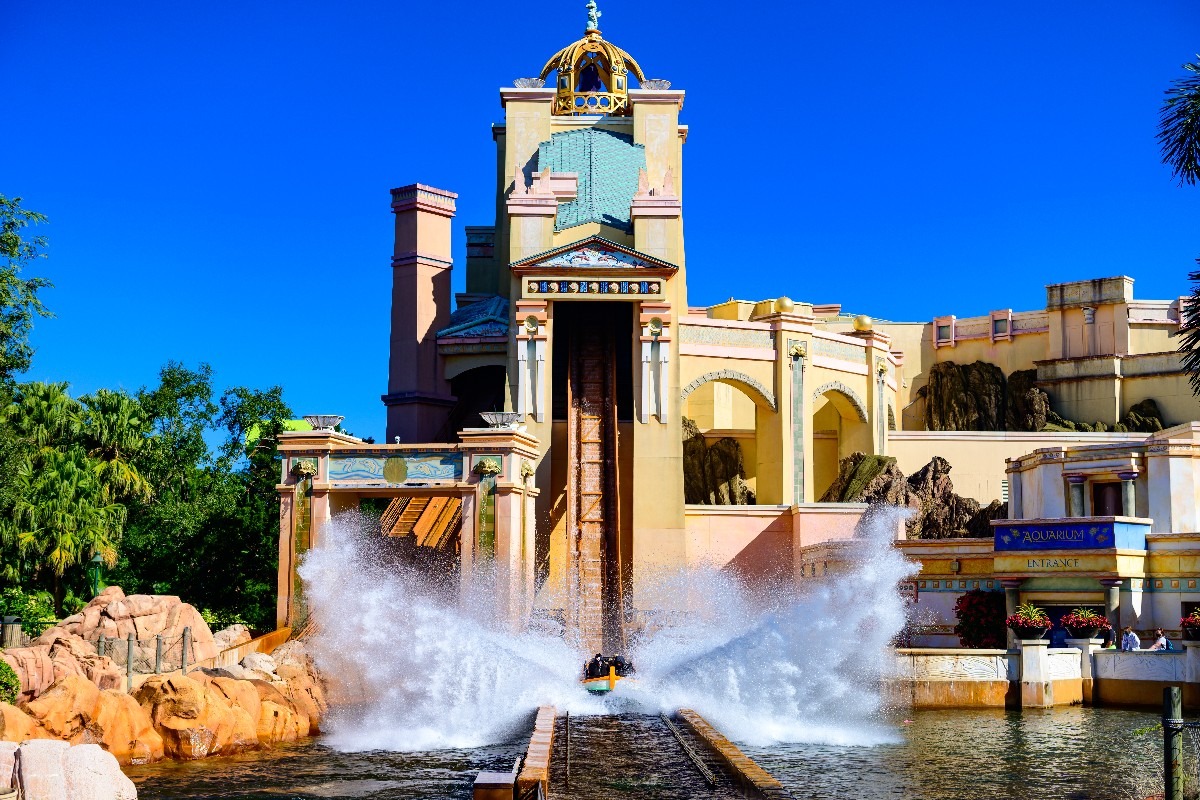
(713, 475)
(208, 712)
(54, 770)
(56, 657)
(968, 397)
(115, 615)
(938, 513)
(232, 636)
(977, 397)
(1028, 407)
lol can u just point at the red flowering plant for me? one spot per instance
(1190, 625)
(980, 619)
(1083, 621)
(1030, 622)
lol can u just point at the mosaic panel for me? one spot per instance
(797, 427)
(600, 286)
(725, 337)
(594, 257)
(414, 466)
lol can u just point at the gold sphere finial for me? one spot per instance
(863, 323)
(784, 305)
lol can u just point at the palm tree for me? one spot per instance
(115, 430)
(42, 415)
(1179, 137)
(62, 515)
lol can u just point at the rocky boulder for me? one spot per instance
(115, 615)
(194, 719)
(1143, 417)
(49, 770)
(970, 397)
(1028, 406)
(58, 657)
(715, 474)
(75, 711)
(937, 512)
(232, 636)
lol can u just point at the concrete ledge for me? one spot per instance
(1141, 694)
(964, 693)
(745, 771)
(536, 768)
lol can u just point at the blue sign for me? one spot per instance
(1069, 534)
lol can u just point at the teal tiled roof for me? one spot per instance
(607, 164)
(483, 318)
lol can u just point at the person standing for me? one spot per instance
(1130, 640)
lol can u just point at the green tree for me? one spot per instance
(210, 533)
(114, 430)
(19, 301)
(1179, 137)
(63, 516)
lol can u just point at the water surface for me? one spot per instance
(1069, 753)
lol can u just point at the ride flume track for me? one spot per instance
(635, 756)
(689, 751)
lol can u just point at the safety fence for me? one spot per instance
(154, 655)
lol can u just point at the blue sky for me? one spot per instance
(216, 175)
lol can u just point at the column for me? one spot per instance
(1037, 690)
(1112, 602)
(1015, 493)
(1128, 495)
(1086, 673)
(466, 544)
(1012, 598)
(1075, 484)
(881, 405)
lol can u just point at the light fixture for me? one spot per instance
(955, 566)
(94, 570)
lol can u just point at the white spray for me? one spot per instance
(430, 674)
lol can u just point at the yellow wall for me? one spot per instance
(977, 457)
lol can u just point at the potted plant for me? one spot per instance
(1030, 622)
(1084, 623)
(1190, 625)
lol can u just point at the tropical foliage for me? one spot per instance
(1085, 619)
(1028, 616)
(171, 487)
(1179, 138)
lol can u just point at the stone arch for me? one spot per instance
(754, 389)
(855, 402)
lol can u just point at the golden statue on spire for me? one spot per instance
(593, 75)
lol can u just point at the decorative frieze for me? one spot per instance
(600, 286)
(842, 351)
(725, 337)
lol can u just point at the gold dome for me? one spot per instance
(593, 75)
(784, 305)
(863, 323)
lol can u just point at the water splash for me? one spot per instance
(414, 672)
(428, 672)
(806, 670)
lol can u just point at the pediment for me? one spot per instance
(594, 253)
